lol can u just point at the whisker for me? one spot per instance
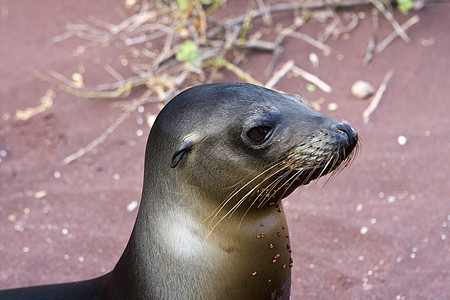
(294, 170)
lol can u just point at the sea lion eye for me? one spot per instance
(259, 134)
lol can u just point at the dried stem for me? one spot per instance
(280, 74)
(391, 19)
(377, 97)
(312, 78)
(405, 26)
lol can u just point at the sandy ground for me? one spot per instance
(379, 230)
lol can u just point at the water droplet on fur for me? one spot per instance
(132, 205)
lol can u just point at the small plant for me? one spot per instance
(405, 5)
(189, 53)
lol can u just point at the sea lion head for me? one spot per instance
(234, 141)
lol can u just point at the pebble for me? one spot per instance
(391, 199)
(402, 140)
(359, 207)
(362, 89)
(333, 106)
(364, 230)
(314, 59)
(40, 194)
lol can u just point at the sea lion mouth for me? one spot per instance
(304, 164)
(298, 168)
(293, 176)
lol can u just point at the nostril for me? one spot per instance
(347, 131)
(344, 128)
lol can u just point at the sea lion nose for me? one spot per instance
(346, 132)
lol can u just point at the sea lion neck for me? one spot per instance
(177, 230)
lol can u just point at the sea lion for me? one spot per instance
(211, 225)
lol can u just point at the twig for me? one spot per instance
(354, 21)
(312, 78)
(329, 29)
(369, 50)
(312, 4)
(131, 107)
(116, 75)
(308, 39)
(165, 51)
(133, 82)
(267, 18)
(242, 74)
(66, 85)
(405, 26)
(280, 74)
(391, 19)
(214, 6)
(142, 38)
(377, 97)
(259, 45)
(276, 54)
(375, 18)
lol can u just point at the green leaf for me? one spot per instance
(405, 5)
(187, 49)
(311, 87)
(190, 53)
(183, 4)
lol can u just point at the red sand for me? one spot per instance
(378, 230)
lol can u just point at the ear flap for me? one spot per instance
(185, 147)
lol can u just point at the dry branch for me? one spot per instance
(377, 97)
(129, 108)
(280, 74)
(312, 78)
(156, 20)
(405, 26)
(369, 50)
(391, 19)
